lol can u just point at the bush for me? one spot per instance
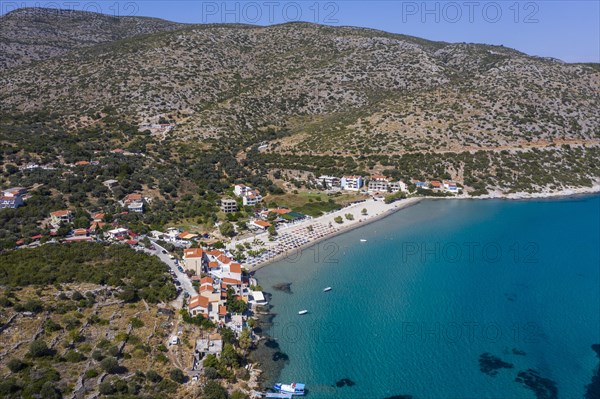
(211, 373)
(110, 365)
(106, 388)
(38, 348)
(338, 219)
(74, 356)
(16, 365)
(237, 394)
(51, 326)
(97, 355)
(177, 376)
(91, 373)
(153, 376)
(49, 392)
(214, 390)
(136, 323)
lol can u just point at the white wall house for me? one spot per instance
(352, 183)
(250, 196)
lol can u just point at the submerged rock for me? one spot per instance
(592, 390)
(271, 343)
(280, 356)
(516, 351)
(542, 387)
(283, 287)
(345, 382)
(490, 364)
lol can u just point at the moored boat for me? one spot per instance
(363, 240)
(294, 388)
(326, 289)
(303, 312)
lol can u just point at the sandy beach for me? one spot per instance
(293, 238)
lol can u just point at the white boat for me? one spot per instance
(295, 389)
(326, 289)
(363, 240)
(303, 312)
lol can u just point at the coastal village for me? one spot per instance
(213, 272)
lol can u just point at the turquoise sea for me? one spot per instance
(436, 286)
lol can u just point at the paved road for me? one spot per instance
(186, 283)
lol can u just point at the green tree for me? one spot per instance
(110, 365)
(245, 341)
(38, 348)
(229, 356)
(177, 375)
(338, 219)
(227, 229)
(364, 211)
(211, 360)
(214, 390)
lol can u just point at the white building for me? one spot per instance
(250, 197)
(450, 186)
(117, 233)
(136, 207)
(398, 185)
(378, 183)
(352, 183)
(329, 182)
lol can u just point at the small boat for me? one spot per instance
(295, 389)
(326, 289)
(363, 240)
(303, 312)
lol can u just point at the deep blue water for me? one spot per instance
(437, 285)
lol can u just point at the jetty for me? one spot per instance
(277, 395)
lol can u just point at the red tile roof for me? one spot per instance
(98, 217)
(206, 280)
(198, 301)
(61, 213)
(213, 265)
(207, 288)
(235, 268)
(224, 259)
(231, 281)
(262, 223)
(193, 253)
(222, 310)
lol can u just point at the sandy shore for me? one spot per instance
(293, 238)
(323, 227)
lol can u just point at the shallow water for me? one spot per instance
(436, 286)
